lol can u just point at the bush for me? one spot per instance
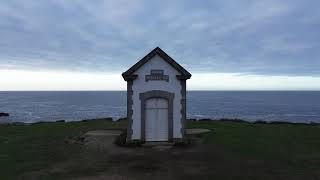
(260, 122)
(233, 120)
(205, 120)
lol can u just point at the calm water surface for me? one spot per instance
(293, 106)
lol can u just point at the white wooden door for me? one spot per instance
(156, 119)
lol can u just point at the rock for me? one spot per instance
(3, 114)
(60, 121)
(98, 119)
(197, 131)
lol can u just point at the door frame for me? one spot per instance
(156, 94)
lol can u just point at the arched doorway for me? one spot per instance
(156, 119)
(156, 107)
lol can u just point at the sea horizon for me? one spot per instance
(34, 106)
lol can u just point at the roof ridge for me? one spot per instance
(156, 51)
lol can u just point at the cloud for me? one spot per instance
(65, 80)
(234, 81)
(268, 37)
(59, 80)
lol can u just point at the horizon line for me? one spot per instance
(187, 90)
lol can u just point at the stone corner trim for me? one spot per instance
(129, 109)
(183, 102)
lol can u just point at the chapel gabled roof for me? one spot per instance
(129, 74)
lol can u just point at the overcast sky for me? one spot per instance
(225, 44)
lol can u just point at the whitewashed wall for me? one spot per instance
(140, 86)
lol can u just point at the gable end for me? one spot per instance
(128, 75)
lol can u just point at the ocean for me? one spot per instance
(34, 106)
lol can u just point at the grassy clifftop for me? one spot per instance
(295, 143)
(293, 150)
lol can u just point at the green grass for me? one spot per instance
(25, 148)
(297, 145)
(32, 147)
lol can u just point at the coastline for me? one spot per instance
(188, 120)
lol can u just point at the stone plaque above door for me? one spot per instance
(157, 75)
